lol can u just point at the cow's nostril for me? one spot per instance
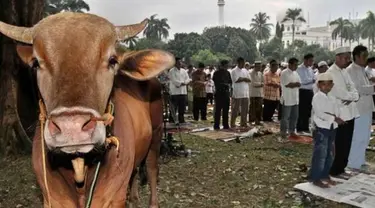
(90, 124)
(53, 127)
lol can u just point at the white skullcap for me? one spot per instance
(343, 49)
(247, 64)
(284, 64)
(322, 63)
(326, 76)
(257, 62)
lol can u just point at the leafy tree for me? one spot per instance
(186, 45)
(56, 6)
(221, 56)
(320, 53)
(157, 28)
(260, 27)
(368, 28)
(293, 15)
(273, 49)
(298, 44)
(234, 42)
(343, 29)
(205, 56)
(279, 30)
(145, 43)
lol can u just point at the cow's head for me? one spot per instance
(76, 60)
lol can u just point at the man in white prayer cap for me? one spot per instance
(365, 106)
(346, 94)
(322, 67)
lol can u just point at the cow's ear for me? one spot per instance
(146, 64)
(25, 52)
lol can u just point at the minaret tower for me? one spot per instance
(221, 4)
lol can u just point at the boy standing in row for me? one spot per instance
(325, 120)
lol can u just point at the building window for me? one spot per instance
(303, 33)
(297, 28)
(287, 42)
(288, 28)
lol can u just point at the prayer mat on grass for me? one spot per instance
(301, 139)
(216, 135)
(358, 191)
(175, 130)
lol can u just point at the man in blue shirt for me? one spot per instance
(306, 93)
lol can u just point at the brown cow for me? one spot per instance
(78, 71)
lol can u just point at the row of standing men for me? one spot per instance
(295, 84)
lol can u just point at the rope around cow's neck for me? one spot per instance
(107, 119)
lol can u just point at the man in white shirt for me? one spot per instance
(346, 95)
(370, 71)
(178, 79)
(322, 68)
(365, 106)
(240, 97)
(290, 83)
(306, 93)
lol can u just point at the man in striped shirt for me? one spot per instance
(271, 91)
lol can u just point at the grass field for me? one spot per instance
(254, 173)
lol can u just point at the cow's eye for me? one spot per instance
(112, 62)
(35, 63)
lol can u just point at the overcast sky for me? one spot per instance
(195, 15)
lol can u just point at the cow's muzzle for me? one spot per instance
(73, 130)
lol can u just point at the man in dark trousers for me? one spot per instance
(223, 81)
(346, 95)
(199, 93)
(306, 93)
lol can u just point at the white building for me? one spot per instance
(314, 35)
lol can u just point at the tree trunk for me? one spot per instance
(341, 40)
(369, 43)
(18, 104)
(293, 30)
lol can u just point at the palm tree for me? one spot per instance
(343, 29)
(368, 28)
(157, 28)
(260, 27)
(356, 33)
(56, 6)
(279, 30)
(293, 15)
(131, 42)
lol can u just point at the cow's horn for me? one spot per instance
(129, 31)
(22, 34)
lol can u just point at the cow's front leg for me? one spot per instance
(153, 166)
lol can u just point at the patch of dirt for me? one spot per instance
(256, 173)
